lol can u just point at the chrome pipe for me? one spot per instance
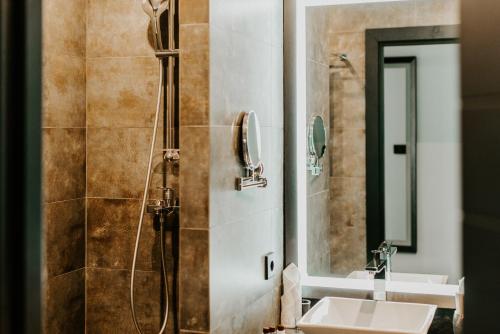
(167, 53)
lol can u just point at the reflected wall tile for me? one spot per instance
(351, 43)
(354, 152)
(336, 146)
(65, 303)
(108, 301)
(111, 231)
(63, 90)
(237, 265)
(194, 11)
(194, 280)
(117, 161)
(121, 92)
(319, 183)
(347, 104)
(437, 12)
(195, 176)
(348, 250)
(110, 32)
(64, 232)
(64, 25)
(358, 17)
(336, 94)
(348, 227)
(194, 74)
(318, 228)
(63, 164)
(318, 91)
(317, 22)
(354, 111)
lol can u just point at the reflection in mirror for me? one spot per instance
(317, 145)
(399, 135)
(391, 111)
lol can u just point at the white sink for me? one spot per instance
(333, 315)
(405, 277)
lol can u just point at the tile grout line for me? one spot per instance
(86, 167)
(66, 273)
(64, 200)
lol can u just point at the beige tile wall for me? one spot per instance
(347, 106)
(317, 67)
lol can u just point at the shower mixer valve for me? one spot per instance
(172, 154)
(163, 206)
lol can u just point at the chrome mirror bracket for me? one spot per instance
(254, 179)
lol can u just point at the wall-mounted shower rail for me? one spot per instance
(162, 208)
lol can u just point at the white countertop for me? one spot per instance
(442, 295)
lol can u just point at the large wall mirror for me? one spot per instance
(413, 166)
(384, 77)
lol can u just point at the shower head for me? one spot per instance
(154, 9)
(152, 6)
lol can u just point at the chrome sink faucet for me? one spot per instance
(380, 267)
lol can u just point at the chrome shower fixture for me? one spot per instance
(160, 208)
(154, 9)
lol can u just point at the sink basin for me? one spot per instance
(333, 315)
(405, 277)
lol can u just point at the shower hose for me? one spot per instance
(141, 219)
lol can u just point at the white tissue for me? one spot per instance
(291, 301)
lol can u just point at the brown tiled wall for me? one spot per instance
(347, 106)
(100, 84)
(64, 165)
(122, 75)
(195, 166)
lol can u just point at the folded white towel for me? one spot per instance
(291, 301)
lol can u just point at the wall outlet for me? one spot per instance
(270, 264)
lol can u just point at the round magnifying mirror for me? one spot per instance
(317, 137)
(251, 140)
